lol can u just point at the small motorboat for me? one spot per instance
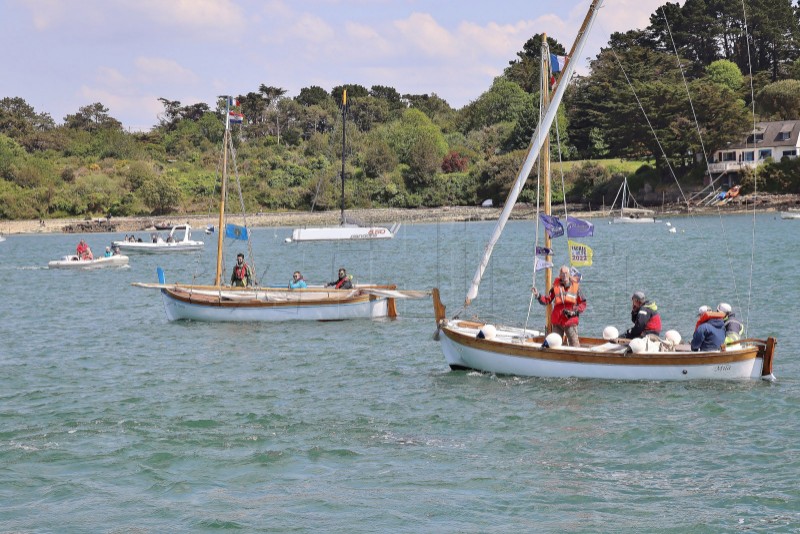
(157, 244)
(72, 261)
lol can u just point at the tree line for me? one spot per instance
(671, 93)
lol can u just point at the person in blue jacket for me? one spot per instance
(709, 333)
(297, 281)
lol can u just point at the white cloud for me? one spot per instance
(152, 70)
(423, 32)
(219, 14)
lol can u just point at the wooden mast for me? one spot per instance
(344, 129)
(544, 156)
(223, 187)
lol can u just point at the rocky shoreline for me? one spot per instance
(380, 216)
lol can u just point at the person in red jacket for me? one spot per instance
(568, 303)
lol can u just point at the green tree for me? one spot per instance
(505, 101)
(725, 73)
(525, 70)
(419, 144)
(160, 193)
(314, 96)
(780, 100)
(91, 118)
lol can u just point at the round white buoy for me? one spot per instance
(488, 331)
(669, 223)
(638, 345)
(610, 332)
(672, 335)
(287, 240)
(673, 230)
(553, 340)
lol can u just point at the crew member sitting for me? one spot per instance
(709, 333)
(343, 282)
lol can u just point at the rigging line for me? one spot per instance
(652, 130)
(755, 169)
(241, 205)
(705, 155)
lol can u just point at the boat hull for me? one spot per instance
(339, 233)
(72, 262)
(273, 305)
(790, 215)
(633, 220)
(512, 354)
(157, 248)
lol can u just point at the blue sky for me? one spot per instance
(60, 55)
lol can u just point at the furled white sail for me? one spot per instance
(537, 140)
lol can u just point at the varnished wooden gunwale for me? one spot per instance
(526, 350)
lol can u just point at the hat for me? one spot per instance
(702, 309)
(724, 307)
(639, 295)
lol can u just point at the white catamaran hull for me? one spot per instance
(273, 306)
(337, 233)
(463, 350)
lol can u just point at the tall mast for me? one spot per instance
(223, 187)
(544, 156)
(344, 129)
(537, 140)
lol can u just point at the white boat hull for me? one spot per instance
(72, 262)
(158, 248)
(633, 220)
(273, 305)
(523, 356)
(790, 215)
(338, 233)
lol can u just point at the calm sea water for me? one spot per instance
(113, 420)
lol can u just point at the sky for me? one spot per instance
(60, 55)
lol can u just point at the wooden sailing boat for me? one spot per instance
(224, 303)
(628, 214)
(474, 344)
(346, 230)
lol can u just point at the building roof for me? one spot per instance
(771, 131)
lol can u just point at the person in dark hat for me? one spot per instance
(242, 275)
(645, 317)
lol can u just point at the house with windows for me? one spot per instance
(773, 140)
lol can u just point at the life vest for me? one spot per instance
(707, 316)
(341, 282)
(566, 296)
(240, 273)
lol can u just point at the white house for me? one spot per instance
(769, 140)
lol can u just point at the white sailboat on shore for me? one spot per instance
(219, 302)
(478, 345)
(347, 229)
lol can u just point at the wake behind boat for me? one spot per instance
(218, 302)
(482, 346)
(178, 240)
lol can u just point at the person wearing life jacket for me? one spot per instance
(568, 303)
(83, 251)
(734, 328)
(297, 281)
(709, 332)
(343, 282)
(645, 317)
(242, 275)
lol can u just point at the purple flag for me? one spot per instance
(544, 251)
(552, 225)
(579, 227)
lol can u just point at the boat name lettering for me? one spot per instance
(722, 368)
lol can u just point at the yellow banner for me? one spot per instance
(580, 255)
(344, 97)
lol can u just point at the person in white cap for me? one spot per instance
(734, 328)
(709, 333)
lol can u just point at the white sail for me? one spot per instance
(537, 140)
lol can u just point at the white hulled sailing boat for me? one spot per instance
(346, 230)
(474, 344)
(219, 302)
(628, 214)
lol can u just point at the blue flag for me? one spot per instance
(544, 251)
(579, 227)
(552, 225)
(235, 231)
(557, 63)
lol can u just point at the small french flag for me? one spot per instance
(232, 102)
(557, 63)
